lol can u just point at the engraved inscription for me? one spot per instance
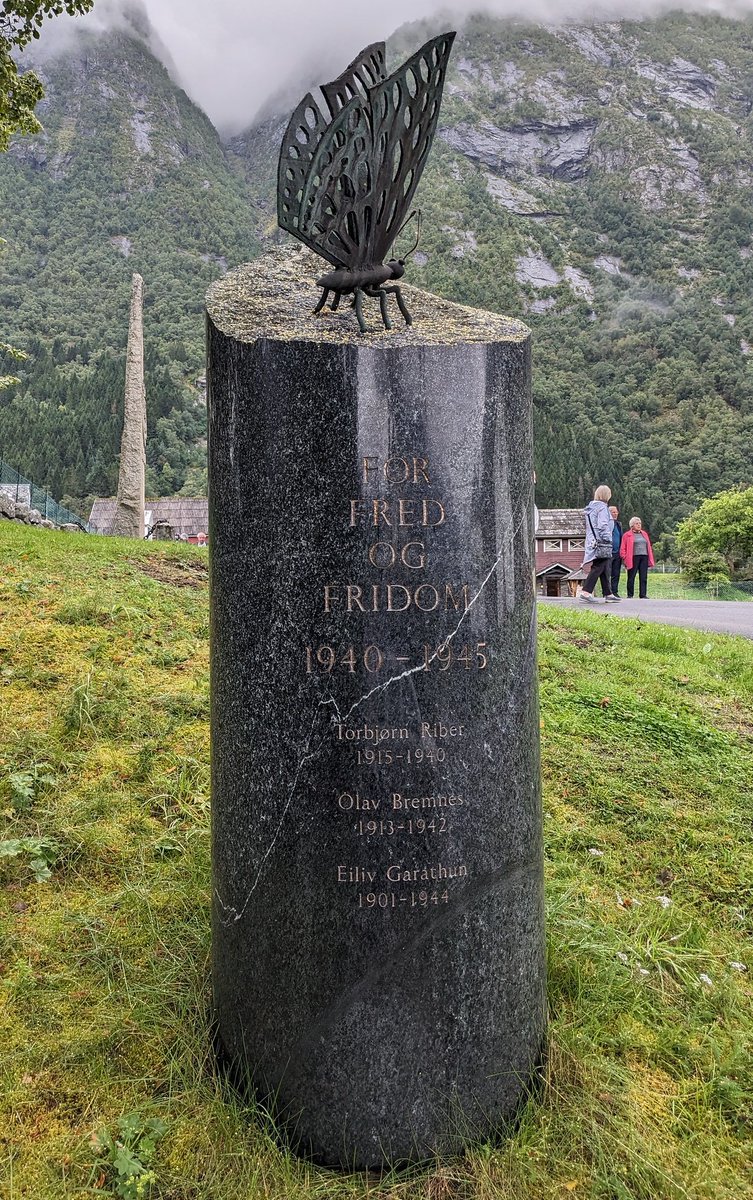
(421, 899)
(436, 730)
(371, 733)
(444, 657)
(398, 514)
(397, 470)
(401, 806)
(355, 802)
(387, 828)
(385, 758)
(396, 873)
(439, 730)
(396, 597)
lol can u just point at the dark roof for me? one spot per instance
(555, 568)
(188, 516)
(561, 522)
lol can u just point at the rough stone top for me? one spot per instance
(274, 297)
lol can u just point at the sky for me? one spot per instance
(231, 56)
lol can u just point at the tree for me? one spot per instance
(716, 541)
(11, 352)
(20, 22)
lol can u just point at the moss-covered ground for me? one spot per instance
(106, 1068)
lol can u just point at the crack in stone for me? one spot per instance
(232, 915)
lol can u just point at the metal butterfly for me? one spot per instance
(345, 181)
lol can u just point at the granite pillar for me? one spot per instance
(378, 950)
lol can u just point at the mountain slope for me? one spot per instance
(597, 181)
(128, 175)
(639, 294)
(594, 180)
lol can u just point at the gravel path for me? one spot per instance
(716, 616)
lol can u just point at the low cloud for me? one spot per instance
(231, 56)
(62, 34)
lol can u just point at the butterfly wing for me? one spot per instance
(335, 208)
(405, 111)
(364, 73)
(301, 156)
(346, 185)
(365, 169)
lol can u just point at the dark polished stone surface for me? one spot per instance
(378, 915)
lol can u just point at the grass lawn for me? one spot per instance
(665, 586)
(106, 1065)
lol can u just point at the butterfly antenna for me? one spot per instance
(414, 247)
(416, 213)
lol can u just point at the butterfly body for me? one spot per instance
(346, 180)
(366, 281)
(343, 281)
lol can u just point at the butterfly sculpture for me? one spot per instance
(346, 179)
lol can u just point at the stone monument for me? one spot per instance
(129, 514)
(377, 895)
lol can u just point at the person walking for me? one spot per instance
(616, 565)
(598, 551)
(638, 556)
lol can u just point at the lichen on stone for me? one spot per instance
(274, 297)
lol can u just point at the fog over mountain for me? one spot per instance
(232, 56)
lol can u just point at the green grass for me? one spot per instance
(675, 587)
(104, 1003)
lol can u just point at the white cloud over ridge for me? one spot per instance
(231, 56)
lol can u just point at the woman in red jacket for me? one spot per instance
(637, 555)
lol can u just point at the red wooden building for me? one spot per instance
(560, 542)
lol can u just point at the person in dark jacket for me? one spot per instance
(638, 556)
(616, 566)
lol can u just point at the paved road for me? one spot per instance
(717, 616)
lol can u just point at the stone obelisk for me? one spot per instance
(129, 515)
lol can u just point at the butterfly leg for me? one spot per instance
(322, 301)
(401, 303)
(383, 309)
(358, 305)
(378, 293)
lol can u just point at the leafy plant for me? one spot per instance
(25, 785)
(126, 1153)
(43, 854)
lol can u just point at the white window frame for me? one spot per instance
(552, 545)
(576, 543)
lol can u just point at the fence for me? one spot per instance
(673, 586)
(25, 491)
